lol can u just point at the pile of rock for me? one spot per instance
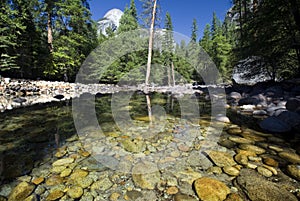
(277, 103)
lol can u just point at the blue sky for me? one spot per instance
(182, 12)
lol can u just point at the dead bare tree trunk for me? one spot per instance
(169, 76)
(149, 109)
(173, 74)
(150, 44)
(49, 28)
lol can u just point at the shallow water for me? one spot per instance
(30, 135)
(33, 139)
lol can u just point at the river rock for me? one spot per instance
(63, 161)
(221, 159)
(259, 112)
(231, 171)
(66, 172)
(79, 173)
(134, 146)
(21, 191)
(235, 95)
(84, 182)
(102, 185)
(38, 180)
(240, 140)
(55, 195)
(257, 187)
(172, 190)
(222, 118)
(133, 195)
(289, 156)
(32, 197)
(234, 131)
(54, 180)
(264, 171)
(294, 171)
(210, 189)
(183, 197)
(233, 197)
(145, 175)
(252, 148)
(75, 192)
(273, 124)
(270, 161)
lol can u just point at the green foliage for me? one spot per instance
(271, 33)
(146, 16)
(24, 49)
(194, 31)
(216, 42)
(128, 20)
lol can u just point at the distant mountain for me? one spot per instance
(110, 19)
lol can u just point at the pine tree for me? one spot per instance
(206, 41)
(75, 38)
(133, 10)
(194, 31)
(10, 30)
(128, 20)
(168, 47)
(274, 45)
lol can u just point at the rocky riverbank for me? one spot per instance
(278, 104)
(20, 93)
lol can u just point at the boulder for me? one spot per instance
(290, 118)
(222, 118)
(21, 191)
(273, 124)
(210, 189)
(293, 104)
(259, 112)
(249, 101)
(257, 187)
(235, 95)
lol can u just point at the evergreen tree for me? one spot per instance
(216, 25)
(206, 41)
(10, 30)
(128, 20)
(74, 39)
(168, 47)
(271, 35)
(194, 31)
(133, 10)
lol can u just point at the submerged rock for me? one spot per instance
(221, 159)
(294, 171)
(21, 191)
(63, 161)
(209, 189)
(289, 156)
(75, 192)
(146, 175)
(257, 187)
